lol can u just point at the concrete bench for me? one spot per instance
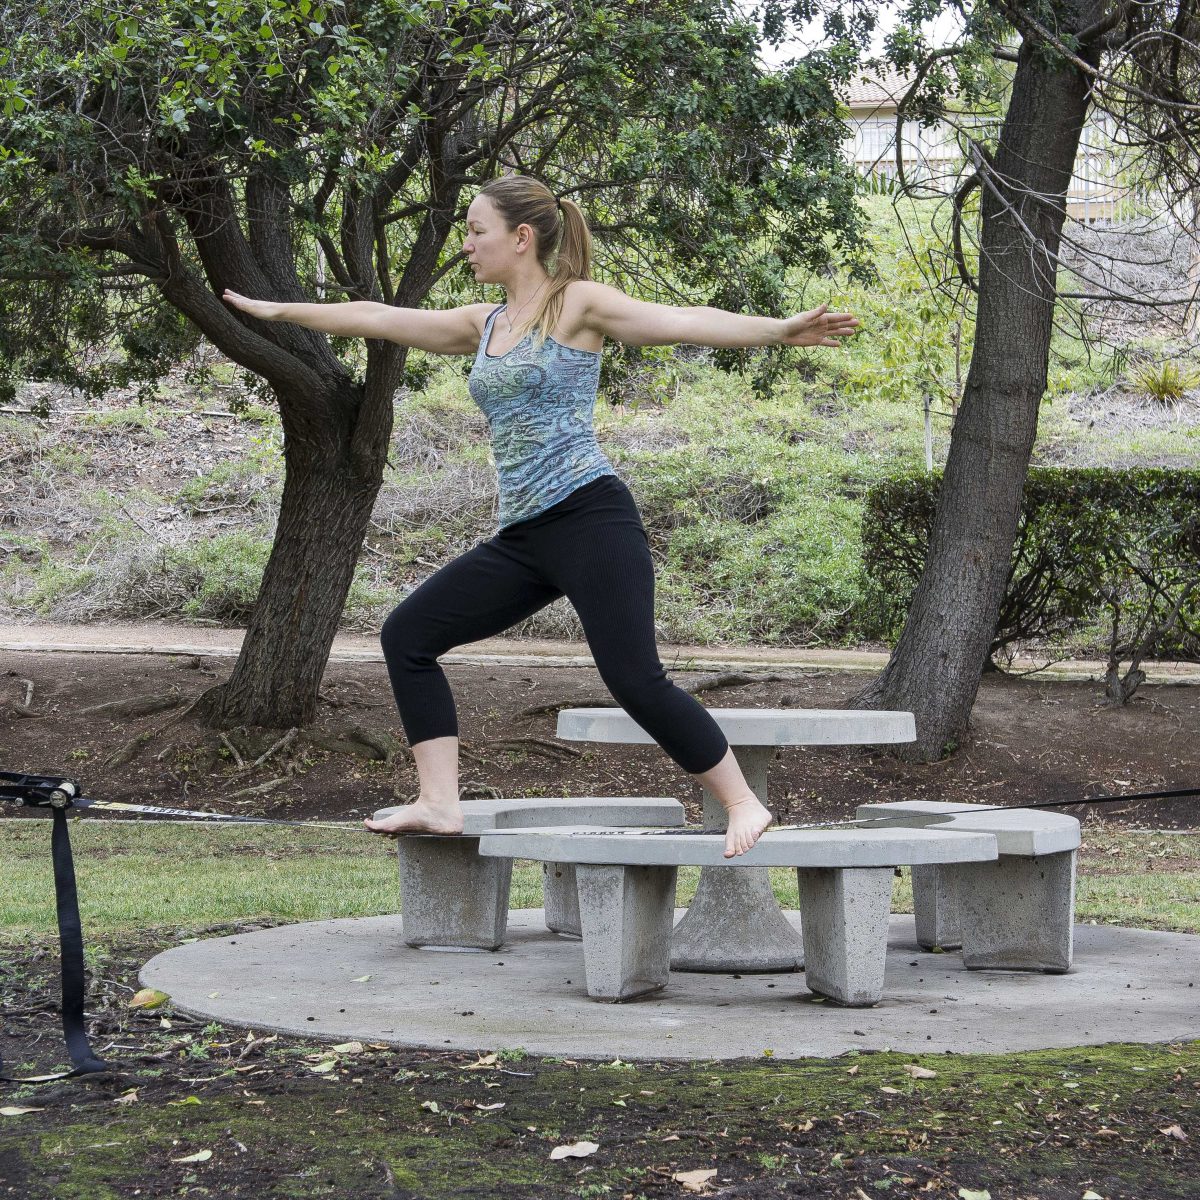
(453, 899)
(626, 885)
(1017, 913)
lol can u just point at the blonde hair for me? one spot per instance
(564, 243)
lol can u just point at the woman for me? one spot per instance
(568, 524)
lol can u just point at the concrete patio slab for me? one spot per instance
(1127, 985)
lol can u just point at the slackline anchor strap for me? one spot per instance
(70, 936)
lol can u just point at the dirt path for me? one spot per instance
(151, 638)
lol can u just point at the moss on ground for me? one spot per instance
(1050, 1123)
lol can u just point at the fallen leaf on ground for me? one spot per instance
(971, 1194)
(326, 1065)
(148, 998)
(432, 1105)
(490, 1107)
(1173, 1131)
(890, 1091)
(696, 1181)
(128, 1098)
(1090, 1195)
(349, 1048)
(199, 1156)
(361, 979)
(853, 1070)
(16, 1110)
(576, 1150)
(920, 1072)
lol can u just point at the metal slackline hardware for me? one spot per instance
(59, 795)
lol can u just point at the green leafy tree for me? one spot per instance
(154, 154)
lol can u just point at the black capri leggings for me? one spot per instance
(590, 547)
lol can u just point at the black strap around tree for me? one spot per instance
(70, 937)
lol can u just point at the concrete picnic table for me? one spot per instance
(734, 922)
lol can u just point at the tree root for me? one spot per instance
(237, 758)
(274, 749)
(693, 687)
(25, 709)
(364, 743)
(139, 706)
(535, 745)
(259, 788)
(129, 750)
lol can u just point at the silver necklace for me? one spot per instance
(523, 307)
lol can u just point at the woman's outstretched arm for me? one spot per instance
(610, 312)
(446, 331)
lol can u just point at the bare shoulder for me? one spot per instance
(477, 315)
(582, 295)
(582, 300)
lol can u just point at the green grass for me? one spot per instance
(135, 876)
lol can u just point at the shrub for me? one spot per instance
(1165, 383)
(1095, 550)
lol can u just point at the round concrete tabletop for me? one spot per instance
(753, 726)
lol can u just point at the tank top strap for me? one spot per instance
(486, 337)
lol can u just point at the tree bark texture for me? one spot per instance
(935, 668)
(330, 485)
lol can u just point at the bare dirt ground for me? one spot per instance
(1031, 741)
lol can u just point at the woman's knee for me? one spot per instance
(638, 688)
(406, 636)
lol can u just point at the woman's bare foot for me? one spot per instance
(747, 819)
(422, 816)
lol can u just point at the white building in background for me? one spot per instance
(934, 153)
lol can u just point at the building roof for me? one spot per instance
(882, 88)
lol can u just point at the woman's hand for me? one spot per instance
(818, 328)
(264, 310)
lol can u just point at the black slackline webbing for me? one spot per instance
(61, 794)
(70, 937)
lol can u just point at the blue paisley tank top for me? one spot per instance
(539, 405)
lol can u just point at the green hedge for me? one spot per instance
(1100, 554)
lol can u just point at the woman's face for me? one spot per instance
(491, 247)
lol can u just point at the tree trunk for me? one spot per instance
(936, 666)
(331, 479)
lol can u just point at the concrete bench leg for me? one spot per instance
(935, 903)
(845, 914)
(626, 914)
(450, 895)
(561, 898)
(1018, 914)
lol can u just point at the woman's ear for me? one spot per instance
(525, 238)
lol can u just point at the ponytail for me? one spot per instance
(573, 261)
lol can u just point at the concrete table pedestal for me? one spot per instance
(734, 923)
